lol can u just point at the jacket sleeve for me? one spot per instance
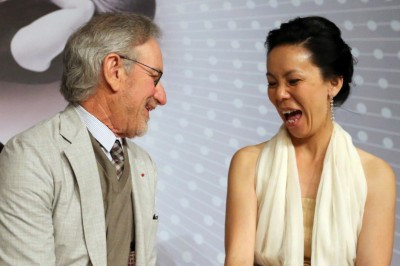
(26, 198)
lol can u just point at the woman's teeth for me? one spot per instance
(292, 115)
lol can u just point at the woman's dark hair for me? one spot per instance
(323, 39)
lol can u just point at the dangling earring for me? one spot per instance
(331, 105)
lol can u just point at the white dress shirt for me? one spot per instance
(99, 131)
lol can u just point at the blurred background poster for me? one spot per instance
(214, 64)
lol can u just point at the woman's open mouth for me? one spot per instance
(292, 117)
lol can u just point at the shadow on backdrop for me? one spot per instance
(16, 14)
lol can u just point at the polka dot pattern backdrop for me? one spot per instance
(214, 61)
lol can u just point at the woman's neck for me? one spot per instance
(314, 146)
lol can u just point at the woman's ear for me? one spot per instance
(113, 71)
(336, 85)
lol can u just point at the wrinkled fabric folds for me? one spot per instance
(339, 204)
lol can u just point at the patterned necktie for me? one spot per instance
(117, 155)
(132, 259)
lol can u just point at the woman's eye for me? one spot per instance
(271, 84)
(294, 81)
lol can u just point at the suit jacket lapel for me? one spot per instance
(80, 154)
(137, 191)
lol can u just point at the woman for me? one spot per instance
(308, 196)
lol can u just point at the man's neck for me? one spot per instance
(98, 106)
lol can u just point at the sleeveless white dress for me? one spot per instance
(339, 204)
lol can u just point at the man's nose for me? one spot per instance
(160, 94)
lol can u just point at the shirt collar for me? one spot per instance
(99, 131)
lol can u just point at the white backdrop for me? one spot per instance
(215, 81)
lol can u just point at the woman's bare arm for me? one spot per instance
(241, 208)
(375, 243)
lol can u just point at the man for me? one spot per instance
(73, 190)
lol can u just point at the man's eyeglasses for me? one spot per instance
(152, 68)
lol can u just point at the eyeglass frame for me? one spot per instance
(140, 63)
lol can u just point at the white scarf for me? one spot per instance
(339, 204)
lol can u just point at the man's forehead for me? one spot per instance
(149, 51)
(150, 44)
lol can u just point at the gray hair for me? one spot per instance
(88, 46)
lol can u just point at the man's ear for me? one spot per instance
(113, 71)
(336, 83)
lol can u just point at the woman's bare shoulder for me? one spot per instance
(373, 164)
(377, 171)
(249, 153)
(244, 160)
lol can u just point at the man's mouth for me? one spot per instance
(292, 116)
(151, 105)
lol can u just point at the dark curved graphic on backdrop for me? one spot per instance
(16, 14)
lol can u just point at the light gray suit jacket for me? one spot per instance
(51, 206)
